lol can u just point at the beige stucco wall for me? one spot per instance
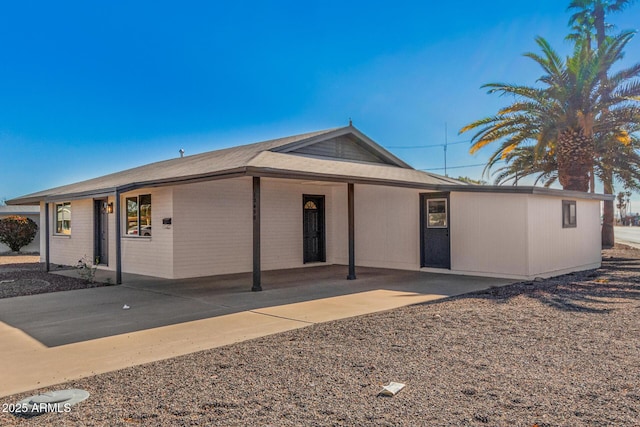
(553, 249)
(152, 256)
(504, 235)
(212, 228)
(489, 233)
(69, 249)
(281, 226)
(387, 226)
(140, 255)
(521, 235)
(213, 225)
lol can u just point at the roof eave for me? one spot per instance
(312, 176)
(107, 191)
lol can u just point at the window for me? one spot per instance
(437, 213)
(63, 218)
(569, 214)
(139, 215)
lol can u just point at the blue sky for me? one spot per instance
(91, 88)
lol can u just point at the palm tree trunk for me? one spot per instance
(608, 234)
(575, 159)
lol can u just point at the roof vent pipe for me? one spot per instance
(181, 151)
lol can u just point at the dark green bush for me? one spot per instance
(17, 231)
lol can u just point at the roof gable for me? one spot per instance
(347, 144)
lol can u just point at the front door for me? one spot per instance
(313, 234)
(434, 213)
(101, 232)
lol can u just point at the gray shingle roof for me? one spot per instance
(277, 158)
(282, 165)
(208, 163)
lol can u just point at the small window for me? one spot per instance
(310, 205)
(63, 218)
(139, 215)
(437, 213)
(569, 214)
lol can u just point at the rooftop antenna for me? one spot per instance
(445, 149)
(350, 122)
(181, 151)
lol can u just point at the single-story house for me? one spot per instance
(328, 197)
(31, 212)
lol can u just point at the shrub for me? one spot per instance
(17, 231)
(86, 269)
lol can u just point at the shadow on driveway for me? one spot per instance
(67, 317)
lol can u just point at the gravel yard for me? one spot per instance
(25, 275)
(558, 352)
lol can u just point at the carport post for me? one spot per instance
(46, 237)
(352, 246)
(118, 241)
(257, 286)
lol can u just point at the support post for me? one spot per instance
(47, 260)
(352, 234)
(257, 286)
(118, 240)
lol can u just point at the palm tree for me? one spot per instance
(554, 127)
(622, 159)
(523, 162)
(591, 15)
(590, 18)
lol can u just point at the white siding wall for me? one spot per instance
(554, 249)
(489, 234)
(152, 256)
(68, 250)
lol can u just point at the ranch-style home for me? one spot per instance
(328, 197)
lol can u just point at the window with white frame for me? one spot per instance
(569, 217)
(63, 218)
(138, 215)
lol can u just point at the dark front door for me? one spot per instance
(101, 239)
(313, 234)
(434, 213)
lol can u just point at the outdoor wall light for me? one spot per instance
(110, 208)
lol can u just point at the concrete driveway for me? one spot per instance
(51, 338)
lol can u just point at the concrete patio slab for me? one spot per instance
(62, 336)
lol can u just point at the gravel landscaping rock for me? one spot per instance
(22, 275)
(558, 352)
